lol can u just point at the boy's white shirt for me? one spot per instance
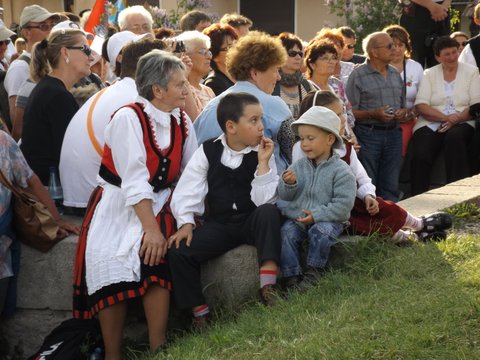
(192, 188)
(364, 183)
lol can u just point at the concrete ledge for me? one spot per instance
(45, 280)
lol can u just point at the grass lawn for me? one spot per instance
(419, 302)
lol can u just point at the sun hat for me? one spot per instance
(4, 32)
(322, 118)
(117, 41)
(36, 13)
(68, 24)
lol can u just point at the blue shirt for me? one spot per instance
(275, 111)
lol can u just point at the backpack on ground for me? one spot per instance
(73, 339)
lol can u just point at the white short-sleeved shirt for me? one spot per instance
(414, 76)
(79, 162)
(18, 72)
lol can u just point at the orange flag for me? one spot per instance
(97, 16)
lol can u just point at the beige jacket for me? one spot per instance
(431, 91)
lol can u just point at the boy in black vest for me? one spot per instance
(236, 174)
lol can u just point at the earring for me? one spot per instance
(67, 60)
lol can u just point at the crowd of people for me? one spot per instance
(177, 147)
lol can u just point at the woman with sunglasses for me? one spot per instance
(411, 72)
(292, 87)
(222, 37)
(58, 62)
(197, 48)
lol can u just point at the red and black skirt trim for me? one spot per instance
(86, 306)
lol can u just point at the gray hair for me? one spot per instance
(156, 68)
(192, 38)
(135, 9)
(369, 42)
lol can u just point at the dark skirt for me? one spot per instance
(387, 221)
(86, 306)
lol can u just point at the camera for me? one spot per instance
(179, 47)
(390, 111)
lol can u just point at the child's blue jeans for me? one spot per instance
(322, 236)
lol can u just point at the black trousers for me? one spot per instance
(423, 31)
(261, 228)
(426, 144)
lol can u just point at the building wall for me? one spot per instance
(311, 14)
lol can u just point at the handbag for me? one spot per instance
(33, 223)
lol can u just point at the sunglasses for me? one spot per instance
(42, 26)
(350, 46)
(293, 53)
(5, 42)
(84, 48)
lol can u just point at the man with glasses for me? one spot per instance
(136, 19)
(36, 23)
(375, 90)
(350, 40)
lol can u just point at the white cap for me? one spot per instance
(117, 41)
(4, 32)
(322, 118)
(68, 24)
(36, 13)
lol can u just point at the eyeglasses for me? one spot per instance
(84, 48)
(389, 46)
(42, 26)
(350, 46)
(293, 53)
(328, 58)
(226, 48)
(204, 52)
(144, 27)
(5, 42)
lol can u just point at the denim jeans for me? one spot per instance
(381, 156)
(322, 236)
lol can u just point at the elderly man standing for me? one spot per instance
(136, 19)
(375, 90)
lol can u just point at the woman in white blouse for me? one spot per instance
(197, 48)
(411, 72)
(128, 219)
(446, 92)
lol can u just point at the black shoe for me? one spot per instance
(291, 282)
(425, 236)
(269, 295)
(200, 323)
(311, 276)
(436, 222)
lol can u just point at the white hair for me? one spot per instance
(135, 9)
(191, 38)
(368, 42)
